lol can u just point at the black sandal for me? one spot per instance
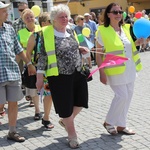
(28, 98)
(47, 124)
(37, 116)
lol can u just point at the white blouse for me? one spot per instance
(61, 34)
(130, 72)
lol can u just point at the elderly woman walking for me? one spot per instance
(60, 59)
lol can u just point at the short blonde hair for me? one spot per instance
(45, 16)
(25, 12)
(56, 10)
(79, 17)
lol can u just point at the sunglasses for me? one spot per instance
(116, 12)
(81, 19)
(21, 10)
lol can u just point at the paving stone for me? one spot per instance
(89, 123)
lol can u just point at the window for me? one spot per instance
(147, 11)
(98, 10)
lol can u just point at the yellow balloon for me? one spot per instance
(131, 9)
(86, 32)
(36, 10)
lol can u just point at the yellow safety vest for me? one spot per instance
(114, 45)
(24, 35)
(49, 43)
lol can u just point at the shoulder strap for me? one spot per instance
(36, 46)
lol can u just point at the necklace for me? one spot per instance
(118, 30)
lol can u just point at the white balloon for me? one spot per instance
(146, 17)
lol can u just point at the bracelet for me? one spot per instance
(29, 63)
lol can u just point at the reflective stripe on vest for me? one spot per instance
(116, 52)
(49, 43)
(117, 49)
(135, 53)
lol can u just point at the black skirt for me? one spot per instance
(68, 91)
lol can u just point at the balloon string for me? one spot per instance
(97, 52)
(68, 2)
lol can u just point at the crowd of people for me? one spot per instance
(49, 50)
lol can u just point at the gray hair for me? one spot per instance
(56, 10)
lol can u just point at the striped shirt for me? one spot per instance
(9, 48)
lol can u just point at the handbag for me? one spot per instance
(86, 72)
(28, 81)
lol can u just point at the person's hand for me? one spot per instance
(83, 50)
(103, 78)
(31, 70)
(39, 81)
(140, 41)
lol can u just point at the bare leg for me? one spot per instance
(1, 107)
(70, 128)
(76, 111)
(12, 119)
(69, 122)
(69, 125)
(12, 113)
(36, 103)
(47, 103)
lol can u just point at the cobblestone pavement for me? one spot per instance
(91, 132)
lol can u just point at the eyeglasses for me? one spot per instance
(116, 12)
(21, 10)
(81, 19)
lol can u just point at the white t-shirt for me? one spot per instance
(130, 72)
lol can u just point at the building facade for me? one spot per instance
(86, 6)
(140, 5)
(79, 6)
